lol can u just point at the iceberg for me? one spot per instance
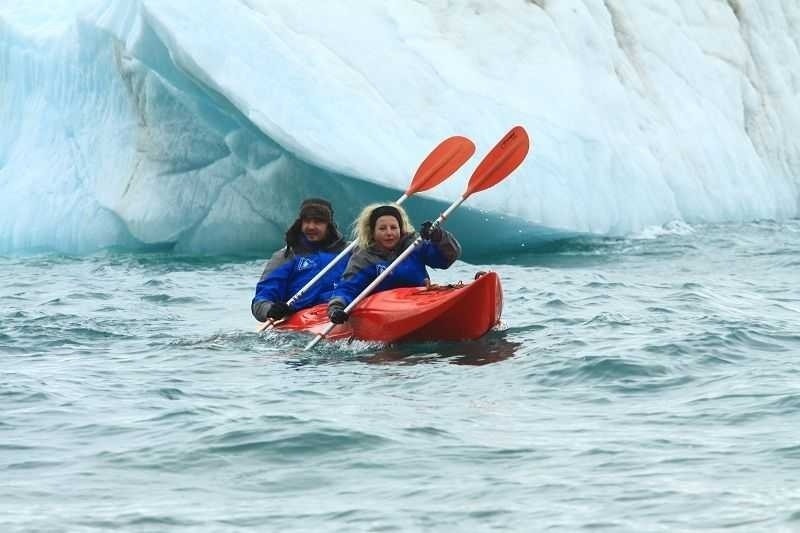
(199, 125)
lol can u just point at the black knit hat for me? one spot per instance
(317, 208)
(382, 211)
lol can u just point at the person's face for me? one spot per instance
(314, 229)
(387, 232)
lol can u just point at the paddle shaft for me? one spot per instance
(377, 281)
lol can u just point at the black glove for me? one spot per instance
(336, 313)
(429, 233)
(278, 310)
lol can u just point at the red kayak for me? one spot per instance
(439, 313)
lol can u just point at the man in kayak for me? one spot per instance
(382, 233)
(312, 241)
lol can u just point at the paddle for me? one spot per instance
(501, 161)
(440, 164)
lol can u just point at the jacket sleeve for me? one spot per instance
(278, 258)
(443, 253)
(359, 273)
(332, 279)
(273, 288)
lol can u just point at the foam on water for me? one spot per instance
(676, 227)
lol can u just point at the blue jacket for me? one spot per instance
(301, 246)
(288, 278)
(365, 265)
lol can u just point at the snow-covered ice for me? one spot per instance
(201, 124)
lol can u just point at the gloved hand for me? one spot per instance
(336, 313)
(278, 310)
(429, 233)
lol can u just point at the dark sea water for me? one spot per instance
(648, 384)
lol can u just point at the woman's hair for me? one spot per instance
(363, 228)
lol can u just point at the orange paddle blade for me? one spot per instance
(500, 161)
(441, 163)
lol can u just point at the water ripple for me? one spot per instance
(307, 443)
(634, 385)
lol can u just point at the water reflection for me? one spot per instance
(492, 348)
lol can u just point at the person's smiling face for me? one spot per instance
(387, 232)
(314, 229)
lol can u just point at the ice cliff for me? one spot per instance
(199, 125)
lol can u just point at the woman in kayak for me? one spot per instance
(382, 233)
